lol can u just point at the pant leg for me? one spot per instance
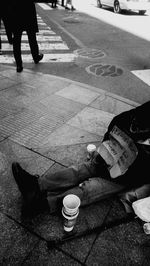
(0, 36)
(17, 47)
(33, 44)
(87, 180)
(9, 35)
(60, 181)
(90, 191)
(57, 184)
(74, 175)
(8, 31)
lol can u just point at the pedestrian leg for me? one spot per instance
(0, 39)
(8, 31)
(17, 50)
(66, 5)
(72, 7)
(33, 44)
(0, 45)
(34, 47)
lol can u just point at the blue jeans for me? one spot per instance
(90, 181)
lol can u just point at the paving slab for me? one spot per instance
(7, 108)
(111, 105)
(7, 82)
(78, 94)
(50, 228)
(15, 242)
(23, 94)
(36, 127)
(41, 255)
(93, 120)
(124, 244)
(69, 135)
(47, 83)
(68, 154)
(9, 72)
(67, 145)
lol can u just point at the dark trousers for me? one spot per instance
(0, 35)
(8, 31)
(90, 181)
(17, 45)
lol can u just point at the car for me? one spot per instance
(118, 5)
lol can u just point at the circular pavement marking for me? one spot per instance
(104, 70)
(72, 19)
(89, 53)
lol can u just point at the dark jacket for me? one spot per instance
(21, 15)
(5, 12)
(136, 124)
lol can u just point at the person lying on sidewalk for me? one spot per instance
(121, 163)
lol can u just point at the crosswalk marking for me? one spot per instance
(44, 46)
(60, 7)
(42, 23)
(41, 32)
(54, 48)
(44, 6)
(40, 38)
(48, 6)
(46, 32)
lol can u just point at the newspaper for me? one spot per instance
(119, 152)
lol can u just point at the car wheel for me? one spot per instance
(142, 12)
(99, 4)
(117, 8)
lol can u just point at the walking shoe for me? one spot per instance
(19, 69)
(28, 186)
(38, 59)
(73, 9)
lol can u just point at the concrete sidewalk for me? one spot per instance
(46, 123)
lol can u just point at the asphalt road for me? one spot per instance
(101, 49)
(115, 50)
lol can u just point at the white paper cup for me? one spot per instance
(71, 204)
(91, 148)
(69, 220)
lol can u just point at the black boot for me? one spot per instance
(28, 185)
(38, 59)
(19, 68)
